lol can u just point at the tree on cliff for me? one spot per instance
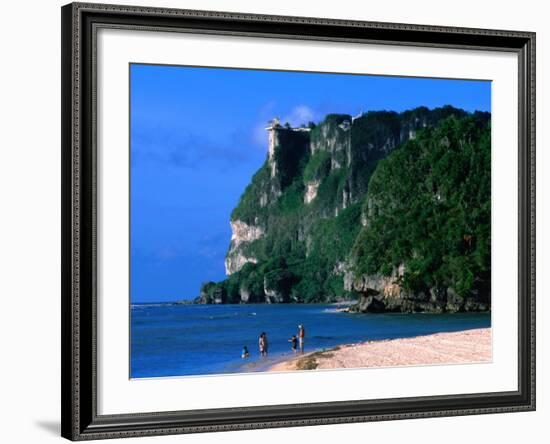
(429, 207)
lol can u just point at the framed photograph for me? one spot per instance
(275, 221)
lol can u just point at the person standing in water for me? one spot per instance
(262, 343)
(265, 344)
(301, 337)
(294, 341)
(245, 353)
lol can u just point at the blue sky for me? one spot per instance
(197, 136)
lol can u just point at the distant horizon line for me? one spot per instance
(167, 301)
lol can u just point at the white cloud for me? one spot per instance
(259, 135)
(299, 115)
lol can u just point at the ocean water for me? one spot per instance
(182, 340)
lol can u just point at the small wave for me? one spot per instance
(233, 315)
(223, 316)
(158, 304)
(335, 310)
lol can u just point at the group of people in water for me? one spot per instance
(296, 341)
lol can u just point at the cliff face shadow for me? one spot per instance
(52, 427)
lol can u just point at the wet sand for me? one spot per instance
(469, 346)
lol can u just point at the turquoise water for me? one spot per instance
(181, 340)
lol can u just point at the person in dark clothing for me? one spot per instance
(294, 342)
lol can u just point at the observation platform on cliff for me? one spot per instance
(275, 124)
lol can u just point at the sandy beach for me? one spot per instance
(462, 347)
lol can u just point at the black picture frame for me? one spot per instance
(80, 420)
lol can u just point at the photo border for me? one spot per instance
(80, 23)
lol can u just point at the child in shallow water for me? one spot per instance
(294, 341)
(245, 354)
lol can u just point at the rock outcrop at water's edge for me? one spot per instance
(383, 294)
(347, 209)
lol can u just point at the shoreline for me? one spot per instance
(461, 347)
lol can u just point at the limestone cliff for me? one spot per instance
(299, 227)
(242, 233)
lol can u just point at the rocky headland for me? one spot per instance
(389, 209)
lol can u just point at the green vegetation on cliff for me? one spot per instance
(429, 207)
(419, 180)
